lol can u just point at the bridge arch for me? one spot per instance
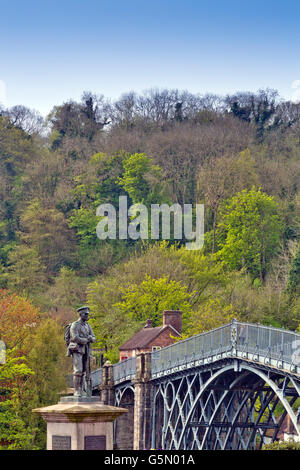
(124, 426)
(232, 408)
(219, 389)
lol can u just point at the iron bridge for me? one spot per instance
(233, 387)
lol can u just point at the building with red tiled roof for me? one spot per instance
(285, 433)
(150, 338)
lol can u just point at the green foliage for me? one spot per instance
(97, 185)
(161, 147)
(15, 367)
(47, 231)
(14, 432)
(5, 251)
(249, 232)
(25, 272)
(16, 148)
(55, 139)
(30, 381)
(280, 445)
(204, 275)
(256, 304)
(69, 290)
(85, 222)
(151, 297)
(18, 318)
(73, 119)
(212, 313)
(244, 171)
(142, 179)
(293, 286)
(105, 170)
(111, 327)
(155, 278)
(46, 357)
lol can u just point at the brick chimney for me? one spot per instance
(149, 323)
(173, 318)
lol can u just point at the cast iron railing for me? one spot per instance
(96, 377)
(124, 370)
(267, 345)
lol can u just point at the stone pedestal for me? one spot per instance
(80, 423)
(143, 402)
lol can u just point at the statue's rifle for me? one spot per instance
(88, 372)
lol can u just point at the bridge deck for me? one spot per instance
(272, 347)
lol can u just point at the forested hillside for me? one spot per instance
(239, 155)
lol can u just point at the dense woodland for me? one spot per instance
(238, 154)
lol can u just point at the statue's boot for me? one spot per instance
(77, 386)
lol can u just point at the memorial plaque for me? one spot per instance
(61, 442)
(95, 443)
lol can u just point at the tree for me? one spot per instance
(85, 222)
(83, 119)
(249, 232)
(221, 177)
(142, 179)
(257, 108)
(30, 381)
(14, 432)
(211, 314)
(155, 278)
(293, 285)
(67, 293)
(151, 297)
(46, 357)
(115, 321)
(110, 324)
(100, 182)
(47, 231)
(18, 318)
(280, 445)
(96, 185)
(16, 150)
(25, 273)
(29, 120)
(214, 183)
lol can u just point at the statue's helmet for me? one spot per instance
(84, 309)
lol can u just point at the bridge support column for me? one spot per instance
(143, 402)
(107, 393)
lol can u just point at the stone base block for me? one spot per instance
(80, 423)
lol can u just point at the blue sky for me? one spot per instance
(52, 51)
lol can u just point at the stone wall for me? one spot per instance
(133, 429)
(124, 426)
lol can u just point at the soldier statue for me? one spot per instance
(79, 336)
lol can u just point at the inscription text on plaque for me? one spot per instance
(61, 442)
(95, 443)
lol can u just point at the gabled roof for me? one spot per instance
(143, 337)
(286, 427)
